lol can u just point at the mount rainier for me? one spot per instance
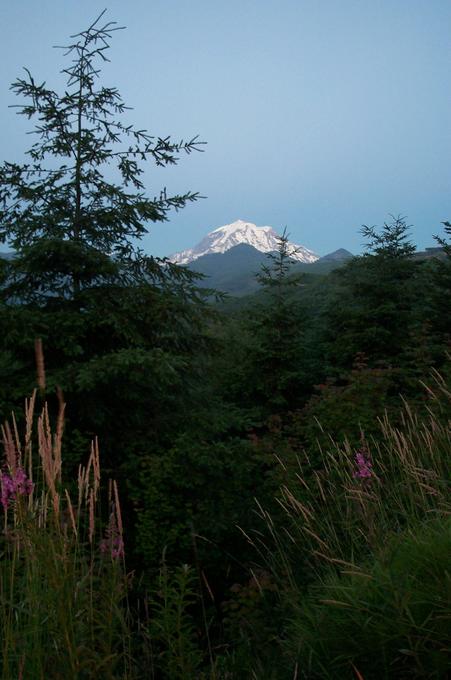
(223, 238)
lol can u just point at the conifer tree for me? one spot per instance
(117, 326)
(70, 227)
(277, 326)
(373, 308)
(439, 299)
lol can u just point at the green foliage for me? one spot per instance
(119, 328)
(409, 480)
(63, 608)
(176, 651)
(211, 485)
(70, 226)
(62, 613)
(440, 294)
(389, 620)
(342, 410)
(372, 311)
(355, 601)
(193, 412)
(273, 379)
(391, 241)
(253, 624)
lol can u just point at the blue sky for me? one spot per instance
(320, 115)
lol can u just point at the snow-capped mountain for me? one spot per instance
(223, 238)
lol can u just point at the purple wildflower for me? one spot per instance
(14, 484)
(117, 547)
(364, 466)
(113, 542)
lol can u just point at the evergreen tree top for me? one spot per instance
(391, 240)
(60, 207)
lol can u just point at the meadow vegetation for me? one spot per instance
(279, 499)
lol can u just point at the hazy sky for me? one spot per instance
(320, 115)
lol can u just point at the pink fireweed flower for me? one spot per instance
(364, 466)
(14, 484)
(113, 542)
(117, 547)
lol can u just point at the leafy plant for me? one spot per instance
(177, 654)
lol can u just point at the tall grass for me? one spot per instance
(360, 584)
(62, 582)
(362, 557)
(64, 610)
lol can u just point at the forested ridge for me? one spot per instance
(281, 461)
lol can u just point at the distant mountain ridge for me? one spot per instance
(340, 255)
(234, 271)
(222, 239)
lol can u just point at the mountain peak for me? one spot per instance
(239, 225)
(223, 238)
(339, 255)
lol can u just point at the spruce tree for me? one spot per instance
(70, 227)
(119, 328)
(277, 326)
(373, 309)
(438, 312)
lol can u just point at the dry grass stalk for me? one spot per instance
(117, 507)
(296, 504)
(407, 481)
(57, 444)
(80, 484)
(86, 477)
(359, 676)
(9, 447)
(71, 513)
(319, 540)
(95, 465)
(89, 480)
(91, 506)
(17, 439)
(40, 367)
(51, 466)
(29, 414)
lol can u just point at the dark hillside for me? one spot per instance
(234, 271)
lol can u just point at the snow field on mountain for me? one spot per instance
(264, 239)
